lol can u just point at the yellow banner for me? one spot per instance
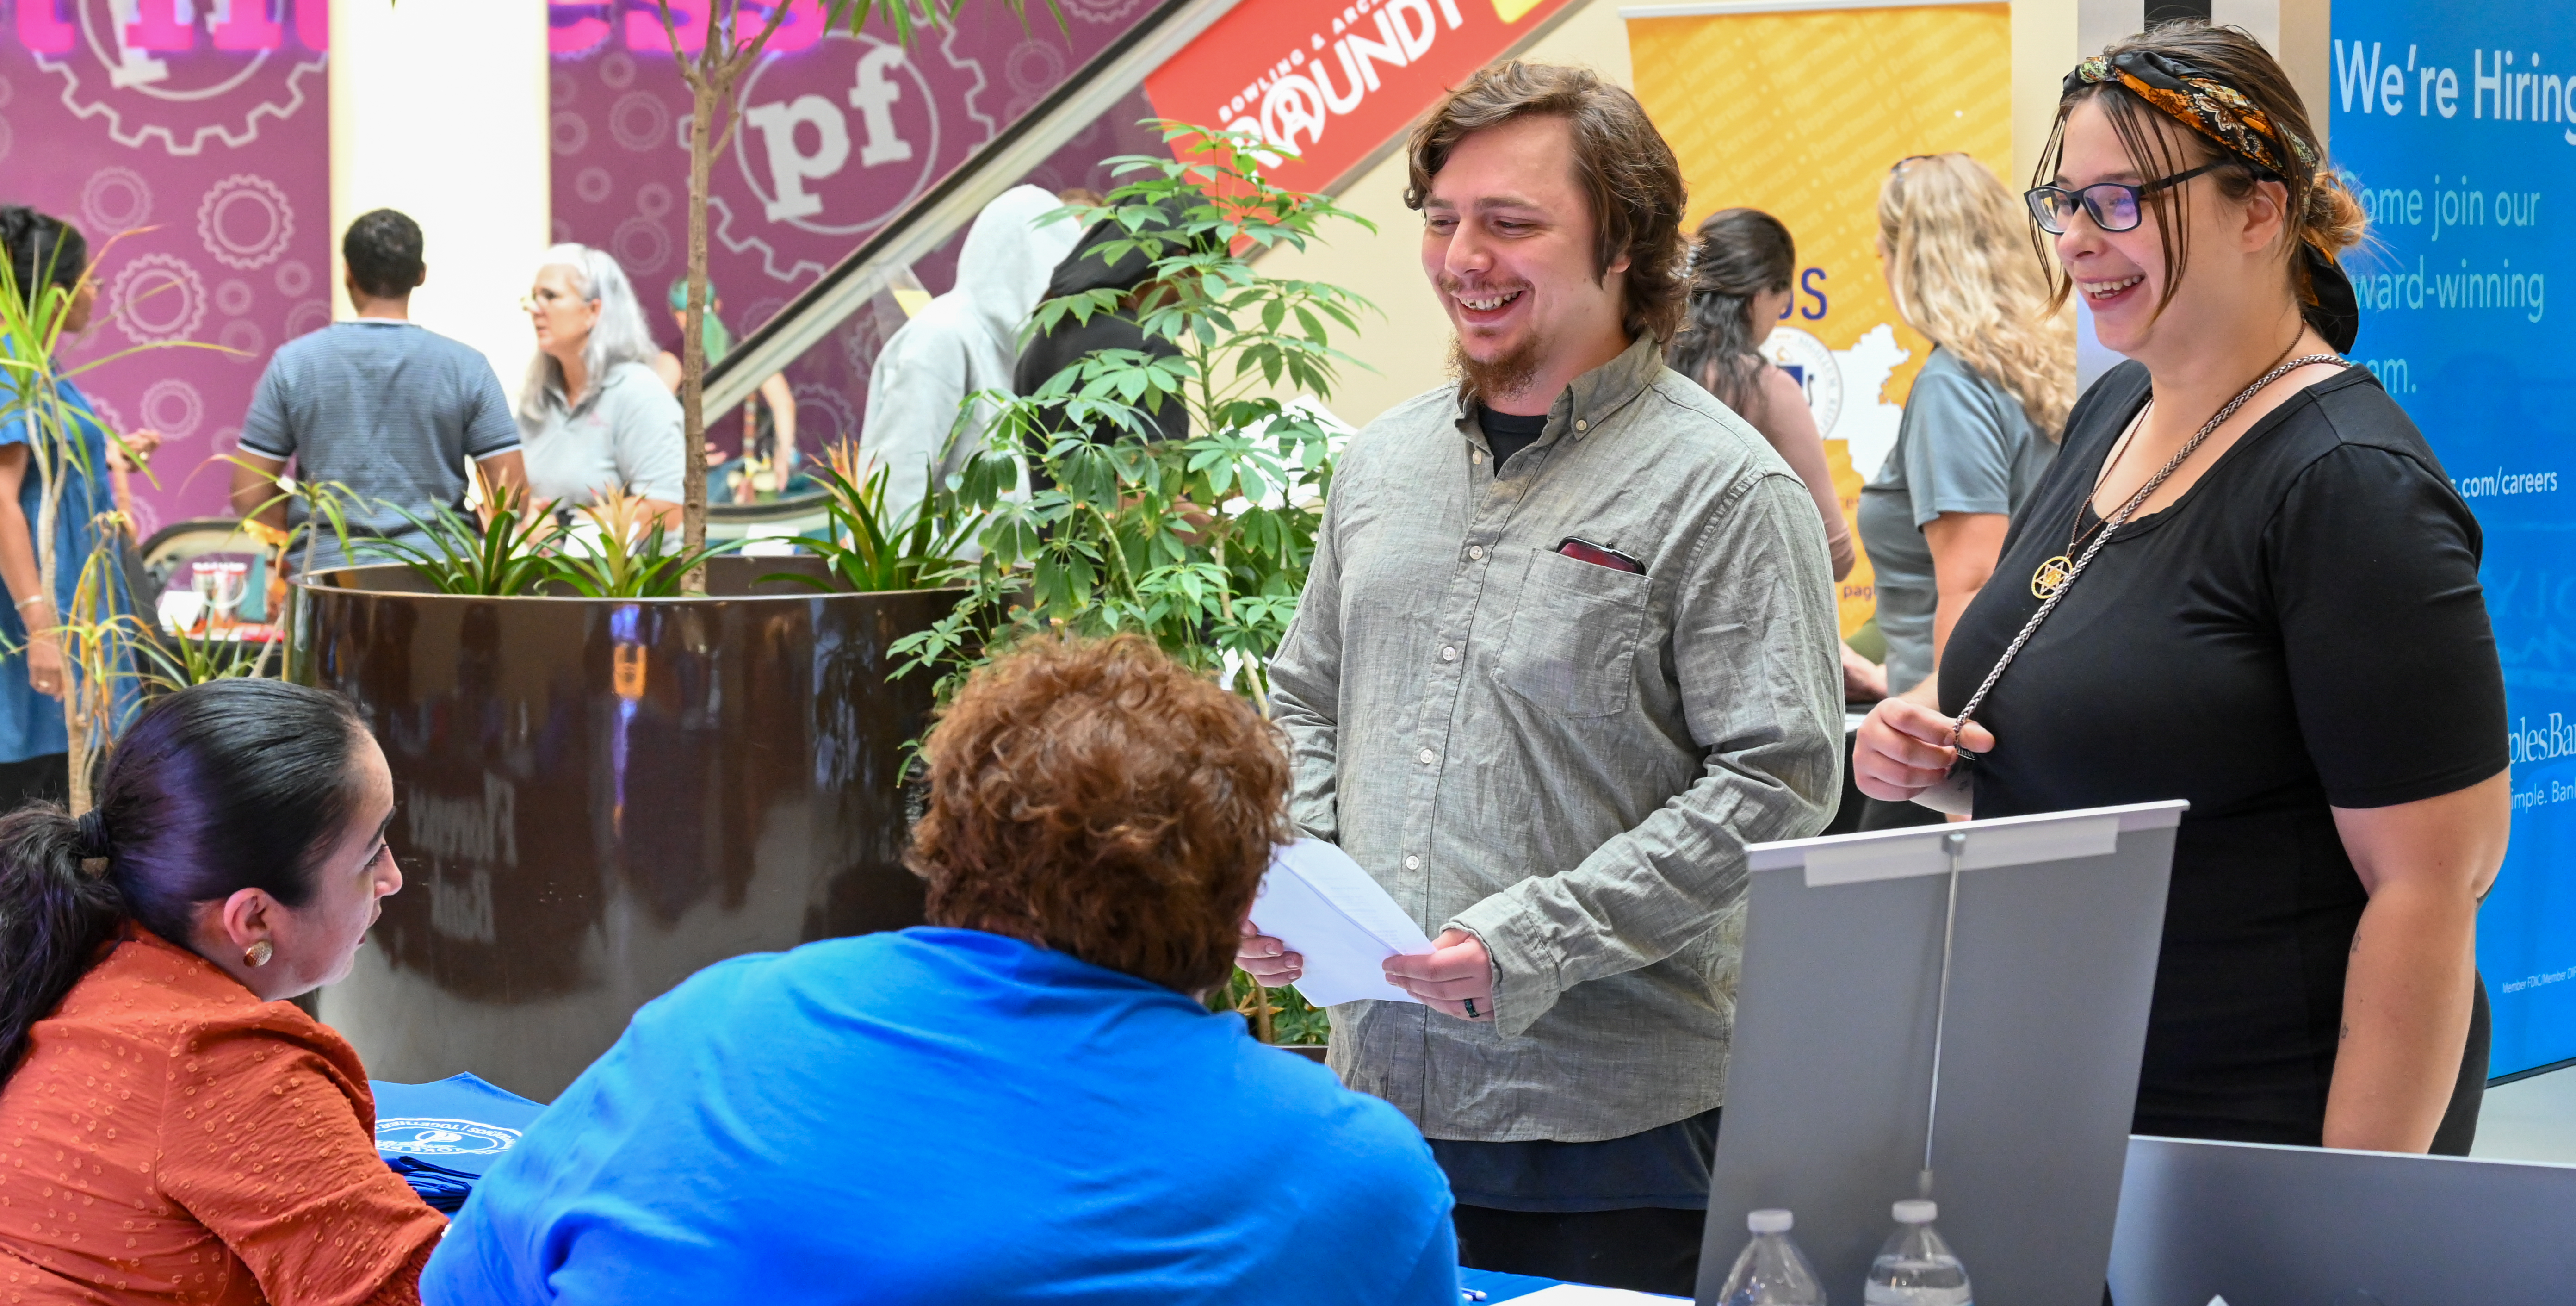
(1801, 114)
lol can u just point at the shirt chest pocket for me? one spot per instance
(1572, 648)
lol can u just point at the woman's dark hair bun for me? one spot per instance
(225, 786)
(1737, 255)
(89, 835)
(53, 915)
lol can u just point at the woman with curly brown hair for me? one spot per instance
(1021, 1101)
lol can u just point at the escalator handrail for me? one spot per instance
(952, 202)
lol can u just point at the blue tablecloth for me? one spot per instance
(463, 1125)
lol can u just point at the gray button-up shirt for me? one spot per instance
(1565, 759)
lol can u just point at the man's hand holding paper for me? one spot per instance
(1323, 924)
(1456, 976)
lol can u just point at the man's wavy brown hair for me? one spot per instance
(1620, 161)
(1100, 799)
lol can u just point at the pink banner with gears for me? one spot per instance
(190, 141)
(839, 133)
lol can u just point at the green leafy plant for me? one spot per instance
(868, 549)
(503, 555)
(1281, 1016)
(1203, 543)
(626, 562)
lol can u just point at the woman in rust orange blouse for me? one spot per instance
(171, 1129)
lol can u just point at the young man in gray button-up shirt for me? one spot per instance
(1567, 647)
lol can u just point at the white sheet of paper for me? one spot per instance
(1325, 908)
(1584, 1294)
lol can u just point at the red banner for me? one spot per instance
(1327, 86)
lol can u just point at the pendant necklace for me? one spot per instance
(2053, 575)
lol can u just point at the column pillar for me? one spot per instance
(439, 109)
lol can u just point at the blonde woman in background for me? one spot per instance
(1982, 421)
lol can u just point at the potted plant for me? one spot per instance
(1202, 543)
(616, 767)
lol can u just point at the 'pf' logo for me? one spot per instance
(836, 144)
(180, 75)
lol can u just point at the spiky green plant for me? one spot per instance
(93, 633)
(627, 562)
(503, 555)
(870, 550)
(171, 663)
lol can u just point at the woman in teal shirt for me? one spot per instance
(1981, 422)
(49, 257)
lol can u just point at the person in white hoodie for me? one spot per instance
(961, 342)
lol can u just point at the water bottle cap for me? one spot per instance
(1771, 1221)
(1916, 1212)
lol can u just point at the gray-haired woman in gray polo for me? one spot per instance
(594, 417)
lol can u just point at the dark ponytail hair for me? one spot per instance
(225, 786)
(43, 250)
(1738, 254)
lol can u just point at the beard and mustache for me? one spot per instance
(1502, 377)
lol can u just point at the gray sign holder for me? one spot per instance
(1853, 1059)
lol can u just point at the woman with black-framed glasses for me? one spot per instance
(2246, 582)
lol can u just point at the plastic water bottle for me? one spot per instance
(1771, 1271)
(1916, 1268)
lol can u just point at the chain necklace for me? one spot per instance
(2111, 525)
(2054, 574)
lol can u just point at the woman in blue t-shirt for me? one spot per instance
(1024, 1101)
(49, 258)
(1981, 422)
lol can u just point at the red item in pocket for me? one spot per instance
(1583, 550)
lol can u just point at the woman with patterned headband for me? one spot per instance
(2250, 585)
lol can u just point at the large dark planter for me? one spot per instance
(597, 797)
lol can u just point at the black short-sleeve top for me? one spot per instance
(2303, 629)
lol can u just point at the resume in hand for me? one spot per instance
(1318, 903)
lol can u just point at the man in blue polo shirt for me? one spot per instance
(387, 410)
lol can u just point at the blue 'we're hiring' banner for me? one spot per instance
(2455, 121)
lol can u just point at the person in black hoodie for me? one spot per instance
(1050, 352)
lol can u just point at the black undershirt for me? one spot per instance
(2302, 630)
(1508, 433)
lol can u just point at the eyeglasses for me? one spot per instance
(545, 299)
(2112, 205)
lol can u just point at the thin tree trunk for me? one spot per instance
(704, 98)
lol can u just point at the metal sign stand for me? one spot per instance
(1987, 980)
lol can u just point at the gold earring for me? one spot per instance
(258, 953)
